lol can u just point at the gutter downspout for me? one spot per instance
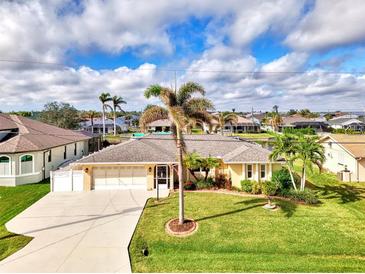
(358, 168)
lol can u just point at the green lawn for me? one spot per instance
(254, 135)
(14, 200)
(237, 235)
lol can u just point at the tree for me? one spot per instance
(307, 113)
(224, 118)
(310, 152)
(292, 112)
(104, 99)
(193, 161)
(60, 114)
(90, 115)
(275, 120)
(284, 146)
(180, 107)
(117, 101)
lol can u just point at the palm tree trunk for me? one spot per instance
(92, 124)
(291, 176)
(115, 122)
(181, 176)
(103, 118)
(304, 178)
(301, 179)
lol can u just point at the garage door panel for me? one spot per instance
(124, 177)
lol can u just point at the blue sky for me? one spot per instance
(124, 46)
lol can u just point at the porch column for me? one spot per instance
(270, 171)
(171, 177)
(257, 172)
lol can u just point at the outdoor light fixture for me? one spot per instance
(150, 169)
(86, 170)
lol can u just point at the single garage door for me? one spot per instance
(125, 177)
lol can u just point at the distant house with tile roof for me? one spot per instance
(30, 149)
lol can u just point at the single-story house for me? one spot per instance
(297, 121)
(144, 162)
(30, 149)
(347, 123)
(243, 125)
(97, 127)
(162, 125)
(345, 155)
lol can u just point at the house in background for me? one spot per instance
(243, 125)
(297, 121)
(145, 162)
(346, 122)
(345, 156)
(122, 125)
(162, 125)
(30, 150)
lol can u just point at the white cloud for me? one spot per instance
(329, 24)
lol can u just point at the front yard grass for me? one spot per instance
(14, 200)
(237, 235)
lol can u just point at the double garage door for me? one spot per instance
(126, 177)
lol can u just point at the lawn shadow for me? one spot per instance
(287, 207)
(346, 193)
(9, 236)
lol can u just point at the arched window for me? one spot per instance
(4, 165)
(26, 164)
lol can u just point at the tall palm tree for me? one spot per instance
(117, 101)
(310, 152)
(284, 146)
(275, 120)
(224, 118)
(180, 108)
(104, 99)
(90, 115)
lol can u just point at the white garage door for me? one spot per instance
(126, 177)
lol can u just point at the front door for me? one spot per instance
(162, 176)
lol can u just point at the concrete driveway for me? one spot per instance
(77, 232)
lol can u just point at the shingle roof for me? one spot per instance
(162, 149)
(355, 144)
(6, 123)
(298, 119)
(34, 135)
(344, 121)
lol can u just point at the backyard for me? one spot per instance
(14, 200)
(237, 235)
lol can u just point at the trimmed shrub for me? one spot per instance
(201, 184)
(282, 178)
(189, 186)
(269, 188)
(307, 196)
(246, 186)
(221, 181)
(256, 187)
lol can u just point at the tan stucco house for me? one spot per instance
(30, 149)
(345, 154)
(141, 163)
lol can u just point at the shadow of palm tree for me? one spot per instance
(287, 207)
(346, 193)
(9, 236)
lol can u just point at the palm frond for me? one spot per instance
(105, 97)
(153, 91)
(168, 97)
(187, 90)
(198, 104)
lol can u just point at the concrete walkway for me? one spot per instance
(77, 232)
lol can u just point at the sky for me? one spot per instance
(246, 54)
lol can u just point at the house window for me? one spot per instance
(49, 156)
(249, 171)
(26, 164)
(263, 171)
(65, 153)
(4, 166)
(75, 149)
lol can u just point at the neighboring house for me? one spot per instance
(345, 154)
(30, 149)
(243, 125)
(163, 125)
(347, 123)
(122, 125)
(142, 163)
(297, 121)
(257, 117)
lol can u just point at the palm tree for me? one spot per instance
(117, 101)
(284, 146)
(90, 115)
(310, 152)
(104, 99)
(275, 120)
(180, 108)
(224, 118)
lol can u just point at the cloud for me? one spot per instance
(329, 24)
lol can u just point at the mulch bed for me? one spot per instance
(187, 228)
